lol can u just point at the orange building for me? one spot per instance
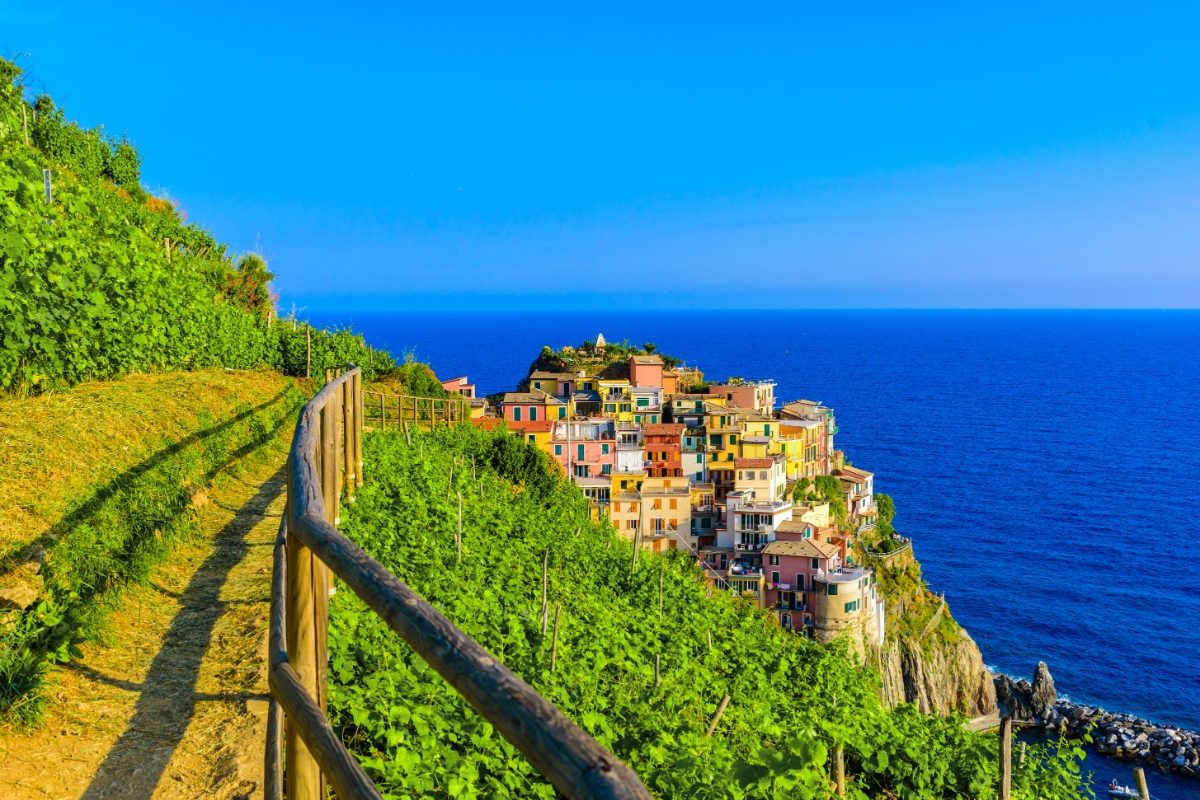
(664, 449)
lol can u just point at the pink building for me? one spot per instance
(459, 385)
(790, 567)
(524, 406)
(646, 371)
(585, 448)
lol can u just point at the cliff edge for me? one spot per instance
(927, 658)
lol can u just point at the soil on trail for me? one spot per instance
(174, 705)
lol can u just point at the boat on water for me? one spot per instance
(1118, 792)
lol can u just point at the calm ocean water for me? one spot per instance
(1044, 462)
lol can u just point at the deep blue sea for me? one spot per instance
(1045, 463)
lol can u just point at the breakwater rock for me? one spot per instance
(1116, 735)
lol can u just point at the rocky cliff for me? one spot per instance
(927, 658)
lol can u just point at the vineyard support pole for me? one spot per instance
(839, 769)
(307, 350)
(1139, 777)
(1005, 758)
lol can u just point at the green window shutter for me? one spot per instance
(516, 413)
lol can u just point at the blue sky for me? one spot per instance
(652, 155)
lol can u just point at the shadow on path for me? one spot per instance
(167, 701)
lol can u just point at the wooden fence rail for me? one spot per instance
(303, 751)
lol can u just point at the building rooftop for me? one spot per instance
(663, 429)
(805, 548)
(647, 360)
(524, 397)
(854, 473)
(755, 463)
(532, 426)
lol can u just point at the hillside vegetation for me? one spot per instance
(791, 699)
(106, 279)
(98, 484)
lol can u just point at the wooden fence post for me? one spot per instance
(303, 775)
(1005, 758)
(1139, 777)
(307, 350)
(348, 438)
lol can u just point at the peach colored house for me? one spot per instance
(664, 449)
(646, 371)
(460, 386)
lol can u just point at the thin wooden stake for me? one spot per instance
(25, 122)
(307, 350)
(712, 726)
(407, 435)
(1139, 777)
(1005, 758)
(545, 589)
(554, 645)
(1021, 755)
(839, 769)
(709, 634)
(660, 591)
(657, 669)
(458, 536)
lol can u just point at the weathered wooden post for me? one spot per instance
(303, 775)
(1005, 758)
(1139, 777)
(348, 459)
(712, 726)
(657, 670)
(545, 588)
(307, 350)
(839, 769)
(554, 646)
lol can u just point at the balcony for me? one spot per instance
(781, 606)
(841, 575)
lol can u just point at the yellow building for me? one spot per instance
(661, 510)
(803, 446)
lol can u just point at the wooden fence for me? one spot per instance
(384, 409)
(304, 753)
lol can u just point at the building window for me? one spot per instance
(637, 418)
(775, 577)
(533, 413)
(604, 449)
(558, 449)
(762, 476)
(579, 452)
(799, 581)
(833, 588)
(732, 439)
(852, 606)
(562, 412)
(532, 439)
(814, 564)
(774, 561)
(610, 408)
(516, 413)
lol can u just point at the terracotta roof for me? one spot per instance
(565, 376)
(536, 426)
(753, 463)
(853, 472)
(663, 429)
(648, 360)
(805, 548)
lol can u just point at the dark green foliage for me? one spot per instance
(113, 538)
(791, 698)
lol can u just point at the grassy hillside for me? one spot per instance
(791, 698)
(106, 280)
(97, 485)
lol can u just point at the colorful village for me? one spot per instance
(750, 488)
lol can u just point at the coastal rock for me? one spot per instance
(1043, 694)
(948, 676)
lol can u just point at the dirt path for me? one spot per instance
(174, 706)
